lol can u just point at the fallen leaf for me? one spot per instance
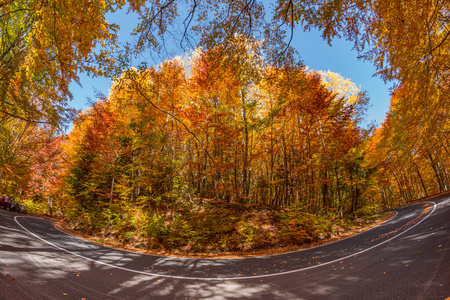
(64, 294)
(439, 246)
(12, 278)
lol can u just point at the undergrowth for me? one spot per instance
(203, 226)
(209, 227)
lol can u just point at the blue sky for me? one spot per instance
(315, 52)
(340, 58)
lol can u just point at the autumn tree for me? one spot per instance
(22, 144)
(312, 140)
(410, 149)
(44, 46)
(45, 175)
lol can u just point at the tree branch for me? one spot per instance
(142, 93)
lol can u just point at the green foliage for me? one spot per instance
(250, 233)
(298, 227)
(156, 227)
(207, 226)
(365, 212)
(35, 206)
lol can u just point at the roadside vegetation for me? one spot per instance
(219, 229)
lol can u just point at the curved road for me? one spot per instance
(407, 257)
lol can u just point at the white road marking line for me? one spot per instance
(225, 278)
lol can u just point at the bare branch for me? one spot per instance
(187, 22)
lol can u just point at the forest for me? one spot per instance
(234, 145)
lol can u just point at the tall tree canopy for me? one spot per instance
(403, 38)
(44, 45)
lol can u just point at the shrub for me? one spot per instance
(35, 206)
(365, 212)
(157, 227)
(298, 227)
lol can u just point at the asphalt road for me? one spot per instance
(407, 257)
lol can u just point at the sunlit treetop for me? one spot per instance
(343, 87)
